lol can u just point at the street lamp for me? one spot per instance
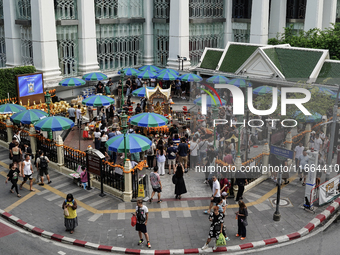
(179, 61)
(48, 102)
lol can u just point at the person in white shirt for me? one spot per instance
(193, 152)
(216, 189)
(27, 172)
(297, 153)
(317, 143)
(78, 112)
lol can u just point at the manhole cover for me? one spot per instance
(284, 202)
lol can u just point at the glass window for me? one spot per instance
(23, 9)
(242, 9)
(161, 9)
(2, 47)
(26, 45)
(206, 9)
(111, 9)
(65, 9)
(296, 9)
(1, 9)
(161, 44)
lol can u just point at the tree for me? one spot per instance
(315, 38)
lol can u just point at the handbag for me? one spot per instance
(221, 240)
(66, 213)
(133, 220)
(245, 222)
(174, 179)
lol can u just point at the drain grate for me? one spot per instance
(284, 202)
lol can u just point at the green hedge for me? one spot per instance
(211, 59)
(8, 81)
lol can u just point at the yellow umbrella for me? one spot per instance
(233, 137)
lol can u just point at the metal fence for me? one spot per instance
(111, 177)
(49, 148)
(253, 167)
(73, 158)
(25, 137)
(3, 132)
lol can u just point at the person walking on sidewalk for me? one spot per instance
(303, 164)
(183, 150)
(71, 113)
(161, 160)
(298, 151)
(78, 113)
(179, 182)
(215, 198)
(71, 220)
(27, 172)
(142, 214)
(241, 180)
(150, 154)
(42, 166)
(216, 226)
(13, 175)
(156, 184)
(171, 153)
(242, 222)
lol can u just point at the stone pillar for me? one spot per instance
(307, 136)
(44, 39)
(265, 160)
(179, 33)
(259, 22)
(12, 35)
(277, 21)
(314, 12)
(60, 150)
(33, 140)
(87, 37)
(148, 32)
(127, 194)
(228, 28)
(289, 140)
(9, 126)
(329, 13)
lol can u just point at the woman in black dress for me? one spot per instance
(179, 182)
(216, 226)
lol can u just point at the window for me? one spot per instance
(67, 40)
(2, 47)
(338, 12)
(26, 45)
(296, 9)
(161, 44)
(119, 46)
(161, 9)
(111, 9)
(204, 35)
(206, 9)
(242, 9)
(1, 9)
(23, 9)
(65, 9)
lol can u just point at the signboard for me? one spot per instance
(310, 180)
(281, 152)
(277, 137)
(329, 190)
(30, 86)
(93, 163)
(141, 190)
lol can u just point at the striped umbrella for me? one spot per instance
(314, 118)
(141, 92)
(327, 92)
(54, 123)
(94, 76)
(28, 116)
(218, 79)
(134, 143)
(147, 74)
(130, 71)
(148, 119)
(149, 68)
(168, 70)
(190, 77)
(262, 90)
(334, 96)
(71, 82)
(167, 76)
(98, 100)
(210, 101)
(239, 83)
(11, 108)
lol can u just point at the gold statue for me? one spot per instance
(28, 103)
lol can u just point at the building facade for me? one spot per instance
(64, 38)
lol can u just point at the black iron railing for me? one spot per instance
(113, 176)
(49, 148)
(73, 158)
(25, 137)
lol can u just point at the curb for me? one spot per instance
(281, 239)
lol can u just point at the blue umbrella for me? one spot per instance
(134, 143)
(218, 79)
(190, 77)
(141, 92)
(148, 119)
(264, 90)
(147, 74)
(54, 123)
(239, 83)
(96, 76)
(70, 82)
(315, 117)
(168, 70)
(11, 108)
(130, 71)
(210, 101)
(167, 76)
(28, 116)
(149, 68)
(327, 91)
(98, 100)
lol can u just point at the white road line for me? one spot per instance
(121, 216)
(61, 185)
(95, 217)
(86, 196)
(165, 214)
(43, 192)
(51, 198)
(99, 201)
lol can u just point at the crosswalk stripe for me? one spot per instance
(95, 217)
(98, 202)
(51, 198)
(186, 213)
(121, 216)
(90, 194)
(72, 190)
(43, 192)
(61, 185)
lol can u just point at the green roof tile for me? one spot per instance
(329, 74)
(295, 64)
(211, 59)
(236, 56)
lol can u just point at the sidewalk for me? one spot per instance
(172, 224)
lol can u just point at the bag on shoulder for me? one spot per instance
(66, 213)
(244, 222)
(174, 179)
(43, 163)
(140, 216)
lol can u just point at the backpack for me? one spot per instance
(140, 216)
(149, 151)
(43, 163)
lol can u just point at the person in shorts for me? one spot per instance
(156, 184)
(27, 172)
(216, 196)
(142, 214)
(171, 154)
(42, 166)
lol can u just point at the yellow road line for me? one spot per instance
(4, 165)
(20, 201)
(26, 186)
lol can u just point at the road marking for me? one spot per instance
(43, 192)
(61, 253)
(165, 214)
(20, 201)
(95, 217)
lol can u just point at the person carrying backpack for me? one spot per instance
(142, 214)
(42, 166)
